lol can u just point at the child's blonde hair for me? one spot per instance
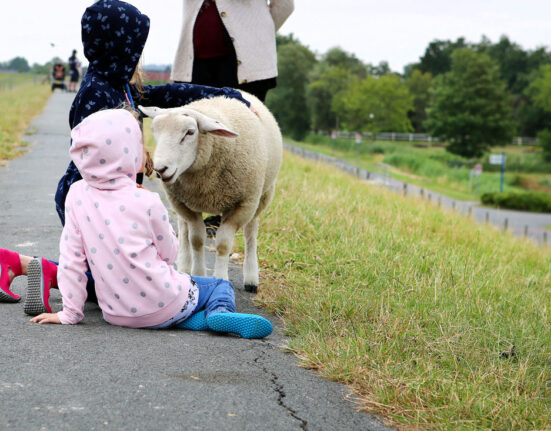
(137, 77)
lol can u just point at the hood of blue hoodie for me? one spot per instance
(107, 148)
(113, 36)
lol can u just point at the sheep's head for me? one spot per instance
(176, 132)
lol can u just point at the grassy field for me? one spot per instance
(435, 169)
(19, 106)
(436, 322)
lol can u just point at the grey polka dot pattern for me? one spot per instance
(70, 295)
(133, 254)
(107, 222)
(85, 150)
(117, 296)
(132, 266)
(93, 250)
(111, 181)
(121, 240)
(125, 280)
(126, 150)
(161, 304)
(167, 285)
(102, 161)
(122, 208)
(96, 204)
(79, 202)
(110, 308)
(77, 254)
(149, 278)
(80, 278)
(88, 218)
(160, 237)
(66, 237)
(135, 225)
(119, 169)
(108, 141)
(148, 242)
(127, 130)
(116, 251)
(164, 217)
(147, 265)
(143, 294)
(133, 309)
(101, 236)
(137, 194)
(110, 266)
(180, 287)
(65, 266)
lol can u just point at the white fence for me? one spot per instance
(417, 137)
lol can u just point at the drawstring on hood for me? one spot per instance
(113, 36)
(107, 149)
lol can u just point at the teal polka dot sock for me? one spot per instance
(245, 325)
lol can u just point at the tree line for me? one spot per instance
(472, 95)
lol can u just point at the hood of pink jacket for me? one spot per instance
(107, 148)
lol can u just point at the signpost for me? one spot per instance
(499, 159)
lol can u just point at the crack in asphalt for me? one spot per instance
(278, 388)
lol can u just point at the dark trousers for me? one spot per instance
(222, 72)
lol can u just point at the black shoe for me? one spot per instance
(212, 223)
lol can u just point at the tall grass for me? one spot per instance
(18, 107)
(435, 321)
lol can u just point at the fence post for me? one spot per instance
(439, 200)
(545, 237)
(525, 231)
(453, 205)
(505, 224)
(405, 189)
(429, 196)
(422, 192)
(469, 211)
(487, 219)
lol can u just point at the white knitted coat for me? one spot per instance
(251, 25)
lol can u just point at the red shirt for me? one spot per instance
(210, 38)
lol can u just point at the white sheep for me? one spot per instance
(216, 156)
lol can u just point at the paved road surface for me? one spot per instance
(94, 376)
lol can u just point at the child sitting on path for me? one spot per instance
(114, 34)
(123, 232)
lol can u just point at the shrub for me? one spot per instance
(544, 138)
(524, 201)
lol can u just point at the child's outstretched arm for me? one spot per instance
(165, 239)
(175, 95)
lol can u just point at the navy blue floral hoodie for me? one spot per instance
(113, 36)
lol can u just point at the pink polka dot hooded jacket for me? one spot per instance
(121, 230)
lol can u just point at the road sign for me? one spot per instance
(497, 159)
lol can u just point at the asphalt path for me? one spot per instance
(94, 376)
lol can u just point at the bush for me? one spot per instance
(544, 138)
(524, 201)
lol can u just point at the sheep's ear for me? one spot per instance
(150, 111)
(209, 125)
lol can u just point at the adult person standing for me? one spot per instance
(74, 71)
(228, 43)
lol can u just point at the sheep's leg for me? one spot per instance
(183, 262)
(197, 237)
(224, 244)
(231, 223)
(250, 266)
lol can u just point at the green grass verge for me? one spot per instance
(435, 321)
(19, 106)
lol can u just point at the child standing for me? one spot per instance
(113, 37)
(123, 232)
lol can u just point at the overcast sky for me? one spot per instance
(397, 31)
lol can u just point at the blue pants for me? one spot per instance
(214, 293)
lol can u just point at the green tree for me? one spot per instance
(470, 105)
(437, 58)
(288, 100)
(337, 57)
(19, 64)
(327, 82)
(419, 85)
(540, 88)
(375, 105)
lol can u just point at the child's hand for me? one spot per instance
(46, 318)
